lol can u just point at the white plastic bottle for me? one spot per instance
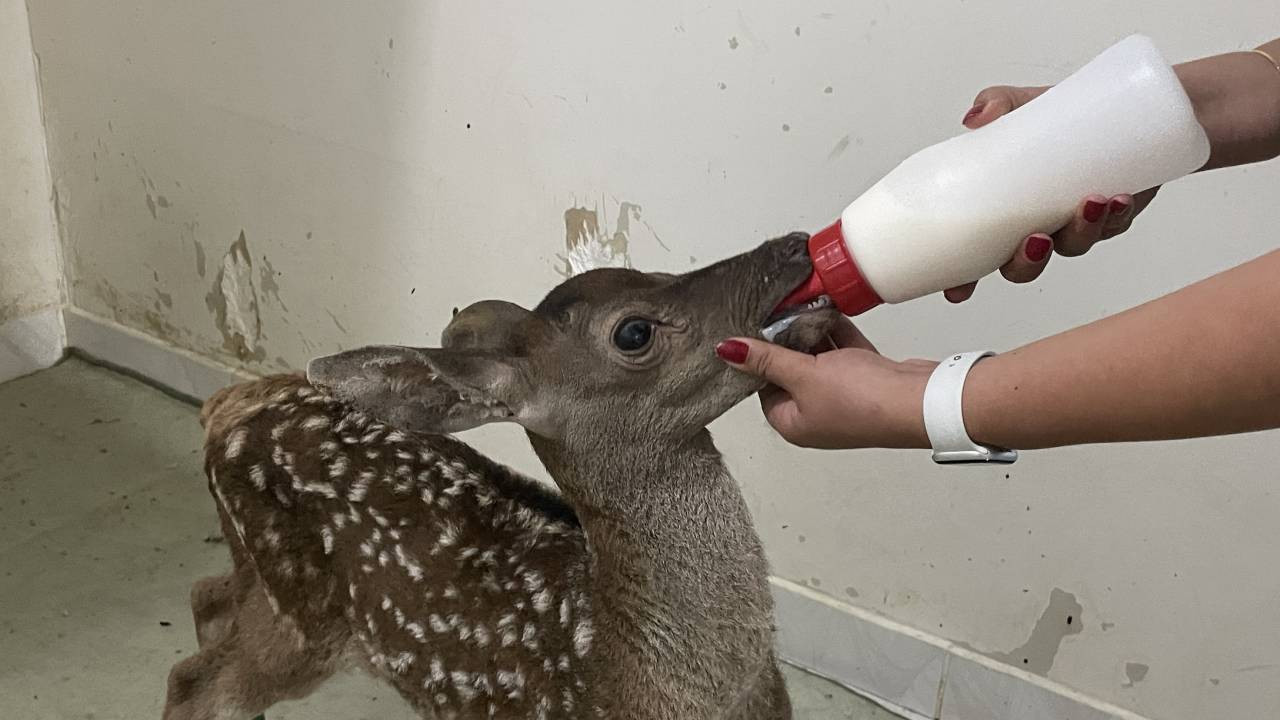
(955, 212)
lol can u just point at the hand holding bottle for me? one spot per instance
(1097, 217)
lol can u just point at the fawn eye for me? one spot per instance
(633, 335)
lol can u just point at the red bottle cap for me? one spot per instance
(835, 275)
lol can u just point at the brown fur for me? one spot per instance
(357, 530)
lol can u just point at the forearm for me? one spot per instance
(1237, 99)
(1202, 361)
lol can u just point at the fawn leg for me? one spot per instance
(212, 607)
(259, 660)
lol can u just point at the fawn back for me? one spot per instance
(359, 529)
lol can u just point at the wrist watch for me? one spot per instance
(944, 419)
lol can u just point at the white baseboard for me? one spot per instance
(915, 674)
(30, 343)
(912, 673)
(182, 372)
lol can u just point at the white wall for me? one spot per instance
(263, 182)
(30, 288)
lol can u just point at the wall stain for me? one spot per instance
(233, 300)
(851, 591)
(334, 318)
(165, 298)
(151, 205)
(267, 279)
(733, 43)
(124, 310)
(1136, 672)
(162, 201)
(1062, 617)
(840, 147)
(200, 259)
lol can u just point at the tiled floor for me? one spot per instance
(104, 523)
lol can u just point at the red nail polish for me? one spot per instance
(973, 112)
(1093, 210)
(1038, 247)
(1119, 207)
(733, 351)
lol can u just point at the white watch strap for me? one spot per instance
(944, 418)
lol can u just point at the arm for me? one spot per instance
(1202, 361)
(1237, 99)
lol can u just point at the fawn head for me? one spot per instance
(611, 353)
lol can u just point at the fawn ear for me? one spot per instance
(425, 389)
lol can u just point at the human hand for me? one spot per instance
(1097, 217)
(847, 397)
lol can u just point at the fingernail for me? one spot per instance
(1119, 207)
(732, 351)
(1038, 247)
(1093, 210)
(974, 112)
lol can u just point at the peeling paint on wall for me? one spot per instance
(1062, 617)
(234, 302)
(589, 244)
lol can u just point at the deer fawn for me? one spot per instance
(358, 529)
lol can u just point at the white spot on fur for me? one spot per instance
(338, 467)
(400, 663)
(462, 686)
(258, 477)
(326, 536)
(541, 601)
(277, 432)
(235, 442)
(530, 637)
(316, 422)
(582, 635)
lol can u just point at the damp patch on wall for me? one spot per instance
(1063, 616)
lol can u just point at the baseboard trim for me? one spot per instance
(31, 342)
(915, 674)
(179, 372)
(909, 672)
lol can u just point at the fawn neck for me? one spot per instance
(671, 541)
